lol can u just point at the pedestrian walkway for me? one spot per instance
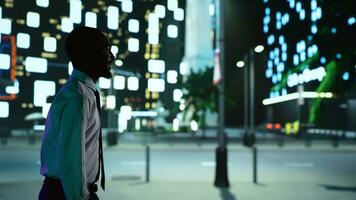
(186, 171)
(189, 190)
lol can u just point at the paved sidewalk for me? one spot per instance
(178, 190)
(288, 173)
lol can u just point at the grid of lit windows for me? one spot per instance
(289, 33)
(140, 42)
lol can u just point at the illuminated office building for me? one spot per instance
(300, 63)
(146, 37)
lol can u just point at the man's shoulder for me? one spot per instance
(70, 91)
(74, 90)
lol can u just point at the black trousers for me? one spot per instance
(52, 190)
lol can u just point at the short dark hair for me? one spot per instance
(80, 41)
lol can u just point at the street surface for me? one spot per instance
(186, 171)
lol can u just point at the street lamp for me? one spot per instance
(249, 96)
(259, 48)
(240, 64)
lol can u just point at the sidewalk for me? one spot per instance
(291, 172)
(175, 190)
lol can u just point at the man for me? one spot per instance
(71, 151)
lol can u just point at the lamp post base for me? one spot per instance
(221, 179)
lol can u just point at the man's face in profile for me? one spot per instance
(102, 58)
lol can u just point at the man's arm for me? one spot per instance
(71, 150)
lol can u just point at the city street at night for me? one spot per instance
(177, 100)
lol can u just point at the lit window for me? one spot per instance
(279, 76)
(5, 61)
(314, 29)
(211, 9)
(313, 4)
(172, 5)
(269, 73)
(37, 65)
(104, 83)
(177, 95)
(268, 11)
(126, 112)
(284, 56)
(132, 83)
(4, 107)
(153, 29)
(23, 40)
(119, 63)
(346, 76)
(5, 25)
(179, 14)
(295, 60)
(265, 29)
(75, 11)
(318, 13)
(172, 31)
(114, 50)
(156, 66)
(113, 17)
(90, 19)
(14, 89)
(126, 6)
(160, 11)
(156, 85)
(42, 3)
(266, 19)
(50, 44)
(314, 16)
(270, 39)
(172, 76)
(280, 67)
(70, 68)
(284, 47)
(302, 56)
(302, 14)
(66, 25)
(134, 25)
(133, 45)
(111, 102)
(298, 6)
(33, 19)
(119, 82)
(285, 19)
(351, 21)
(45, 109)
(42, 90)
(183, 68)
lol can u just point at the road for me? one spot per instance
(325, 168)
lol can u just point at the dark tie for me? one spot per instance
(101, 160)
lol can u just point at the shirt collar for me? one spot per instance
(84, 78)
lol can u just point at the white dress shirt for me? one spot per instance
(70, 144)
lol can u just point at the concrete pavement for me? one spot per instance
(186, 171)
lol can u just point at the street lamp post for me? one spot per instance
(249, 96)
(249, 137)
(221, 175)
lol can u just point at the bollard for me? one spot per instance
(308, 140)
(280, 140)
(254, 152)
(147, 163)
(335, 141)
